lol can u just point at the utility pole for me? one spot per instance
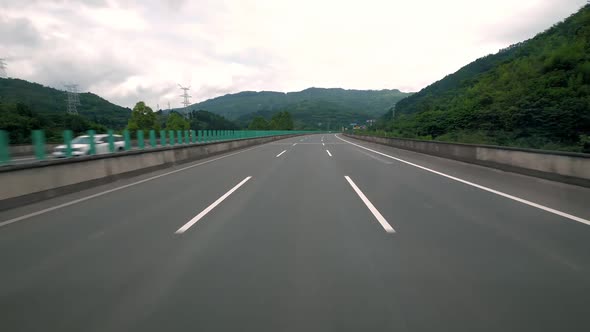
(73, 100)
(185, 95)
(168, 105)
(3, 73)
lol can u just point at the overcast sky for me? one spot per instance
(127, 50)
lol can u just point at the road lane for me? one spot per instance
(295, 248)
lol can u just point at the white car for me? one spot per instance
(81, 145)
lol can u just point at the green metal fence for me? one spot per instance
(113, 142)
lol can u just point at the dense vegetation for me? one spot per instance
(279, 121)
(48, 101)
(312, 108)
(533, 94)
(19, 119)
(203, 120)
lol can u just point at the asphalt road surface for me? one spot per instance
(310, 233)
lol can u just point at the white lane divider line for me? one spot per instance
(370, 206)
(278, 155)
(329, 154)
(323, 144)
(493, 191)
(210, 207)
(294, 144)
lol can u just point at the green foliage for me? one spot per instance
(176, 121)
(203, 120)
(142, 118)
(19, 119)
(281, 121)
(533, 94)
(309, 107)
(48, 102)
(259, 123)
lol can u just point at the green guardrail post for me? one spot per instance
(68, 142)
(140, 141)
(38, 138)
(171, 137)
(4, 151)
(153, 138)
(207, 135)
(193, 136)
(162, 137)
(111, 141)
(92, 150)
(179, 136)
(186, 137)
(127, 139)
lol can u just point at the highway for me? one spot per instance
(309, 233)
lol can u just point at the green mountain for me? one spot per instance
(45, 100)
(533, 94)
(311, 108)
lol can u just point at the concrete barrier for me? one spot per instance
(573, 168)
(18, 150)
(23, 184)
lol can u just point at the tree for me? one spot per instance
(281, 121)
(142, 118)
(259, 123)
(176, 121)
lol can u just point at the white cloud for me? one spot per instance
(130, 50)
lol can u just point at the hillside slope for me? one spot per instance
(309, 107)
(46, 100)
(532, 94)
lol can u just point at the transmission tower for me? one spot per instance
(168, 105)
(73, 100)
(185, 95)
(3, 73)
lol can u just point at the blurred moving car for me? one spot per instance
(81, 145)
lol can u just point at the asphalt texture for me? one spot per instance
(296, 249)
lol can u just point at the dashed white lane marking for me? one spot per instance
(210, 207)
(371, 207)
(278, 155)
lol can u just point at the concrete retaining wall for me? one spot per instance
(23, 184)
(573, 168)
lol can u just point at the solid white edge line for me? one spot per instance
(370, 206)
(210, 207)
(278, 155)
(514, 198)
(26, 216)
(329, 154)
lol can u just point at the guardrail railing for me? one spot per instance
(111, 143)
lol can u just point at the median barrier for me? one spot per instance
(28, 183)
(567, 167)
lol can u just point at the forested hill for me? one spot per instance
(45, 100)
(366, 103)
(533, 94)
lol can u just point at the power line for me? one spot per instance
(185, 95)
(3, 73)
(73, 100)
